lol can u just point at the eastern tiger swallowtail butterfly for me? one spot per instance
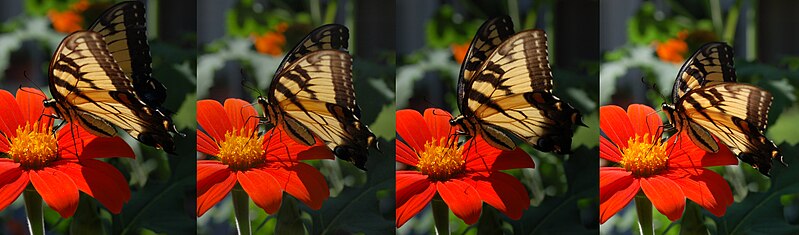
(124, 29)
(707, 101)
(90, 89)
(505, 85)
(312, 94)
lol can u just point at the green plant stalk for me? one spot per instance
(316, 12)
(440, 215)
(241, 209)
(732, 22)
(715, 16)
(33, 208)
(644, 209)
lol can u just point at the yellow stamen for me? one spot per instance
(440, 160)
(241, 150)
(32, 148)
(644, 156)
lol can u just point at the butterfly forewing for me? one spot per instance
(511, 91)
(314, 96)
(711, 64)
(124, 29)
(90, 88)
(326, 37)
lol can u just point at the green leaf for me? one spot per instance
(358, 209)
(762, 212)
(165, 206)
(574, 212)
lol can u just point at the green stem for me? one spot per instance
(644, 209)
(241, 208)
(441, 215)
(33, 207)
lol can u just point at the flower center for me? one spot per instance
(240, 151)
(32, 148)
(440, 161)
(644, 156)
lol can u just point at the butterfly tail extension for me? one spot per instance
(561, 116)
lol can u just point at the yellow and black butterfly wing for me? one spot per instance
(314, 96)
(124, 29)
(711, 64)
(325, 37)
(511, 91)
(488, 37)
(89, 88)
(734, 113)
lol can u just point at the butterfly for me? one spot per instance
(91, 89)
(505, 86)
(707, 101)
(124, 29)
(311, 95)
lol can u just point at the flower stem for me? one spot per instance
(644, 209)
(33, 208)
(241, 208)
(440, 215)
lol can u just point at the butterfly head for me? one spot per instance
(158, 140)
(670, 111)
(352, 154)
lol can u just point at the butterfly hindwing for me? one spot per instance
(89, 88)
(711, 64)
(511, 90)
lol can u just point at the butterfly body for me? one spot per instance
(709, 103)
(506, 86)
(312, 96)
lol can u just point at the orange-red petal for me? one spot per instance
(74, 142)
(644, 119)
(502, 191)
(438, 123)
(665, 194)
(608, 150)
(414, 192)
(684, 154)
(11, 118)
(705, 187)
(241, 114)
(481, 156)
(406, 155)
(462, 199)
(57, 190)
(264, 189)
(214, 182)
(282, 148)
(207, 145)
(304, 182)
(412, 128)
(615, 123)
(617, 188)
(12, 182)
(99, 180)
(32, 107)
(213, 119)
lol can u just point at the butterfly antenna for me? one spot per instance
(654, 86)
(247, 83)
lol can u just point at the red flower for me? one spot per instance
(674, 49)
(264, 166)
(666, 172)
(57, 166)
(464, 177)
(459, 51)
